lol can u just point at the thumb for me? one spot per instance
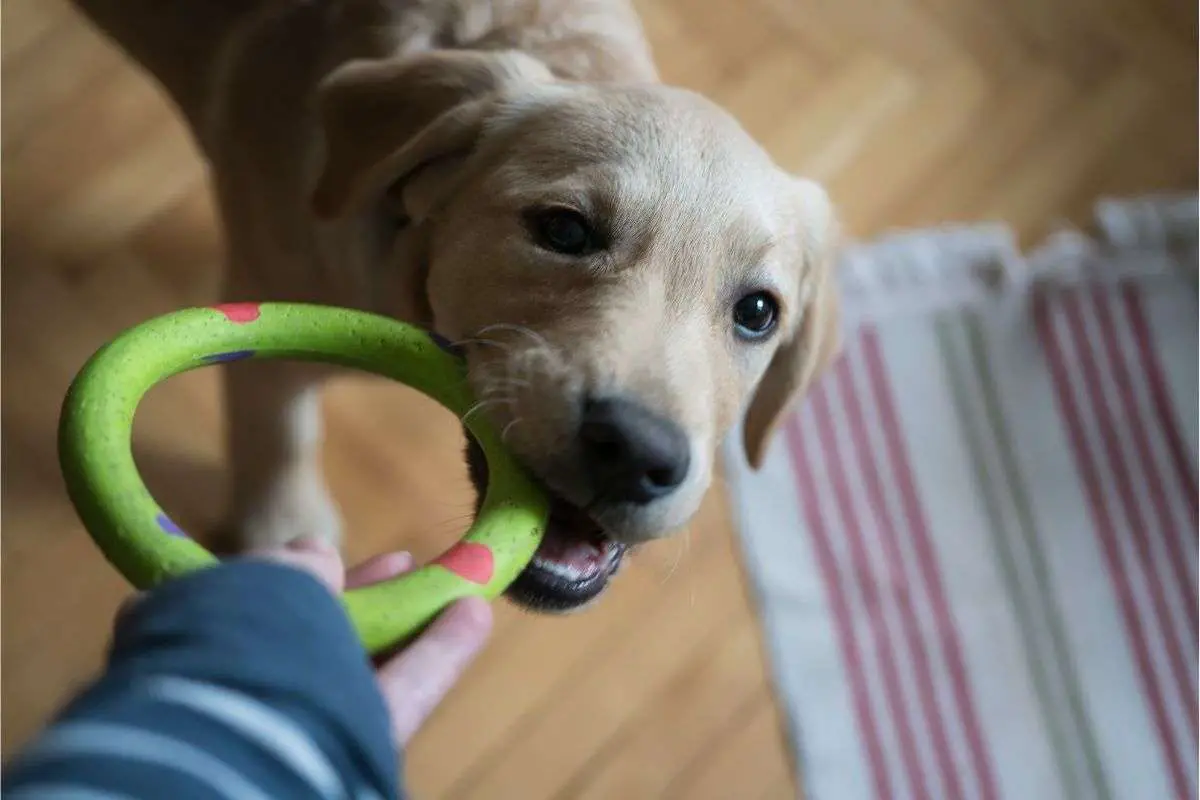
(415, 681)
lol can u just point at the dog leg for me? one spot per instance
(278, 492)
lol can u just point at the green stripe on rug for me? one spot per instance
(970, 372)
(1042, 580)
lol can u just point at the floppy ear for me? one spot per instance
(817, 339)
(386, 120)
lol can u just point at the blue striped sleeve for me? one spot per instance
(242, 681)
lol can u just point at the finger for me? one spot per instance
(317, 558)
(417, 679)
(379, 568)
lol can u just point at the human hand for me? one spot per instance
(414, 680)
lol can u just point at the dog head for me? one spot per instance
(625, 270)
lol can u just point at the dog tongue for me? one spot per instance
(579, 557)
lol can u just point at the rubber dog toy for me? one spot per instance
(142, 542)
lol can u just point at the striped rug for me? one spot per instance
(975, 544)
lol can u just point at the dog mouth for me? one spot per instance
(574, 562)
(571, 567)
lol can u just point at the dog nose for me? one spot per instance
(632, 454)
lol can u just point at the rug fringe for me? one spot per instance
(955, 266)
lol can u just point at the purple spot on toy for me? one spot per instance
(168, 526)
(225, 358)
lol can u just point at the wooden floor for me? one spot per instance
(914, 111)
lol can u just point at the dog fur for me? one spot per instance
(381, 154)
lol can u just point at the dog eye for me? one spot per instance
(755, 315)
(563, 230)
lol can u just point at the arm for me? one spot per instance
(242, 681)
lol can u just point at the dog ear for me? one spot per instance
(817, 339)
(386, 120)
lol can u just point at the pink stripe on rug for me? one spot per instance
(1152, 371)
(869, 473)
(1118, 467)
(861, 568)
(919, 532)
(843, 620)
(1106, 530)
(1170, 533)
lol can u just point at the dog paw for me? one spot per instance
(302, 510)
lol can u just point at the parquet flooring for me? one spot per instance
(915, 112)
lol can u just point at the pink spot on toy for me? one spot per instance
(469, 560)
(239, 313)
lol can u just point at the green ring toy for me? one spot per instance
(142, 542)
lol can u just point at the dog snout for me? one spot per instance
(630, 453)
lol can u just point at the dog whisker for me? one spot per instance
(482, 404)
(542, 345)
(506, 383)
(496, 393)
(521, 329)
(454, 522)
(685, 538)
(483, 340)
(485, 377)
(507, 428)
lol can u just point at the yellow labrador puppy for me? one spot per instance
(624, 269)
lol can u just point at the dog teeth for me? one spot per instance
(559, 569)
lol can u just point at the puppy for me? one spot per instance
(625, 271)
